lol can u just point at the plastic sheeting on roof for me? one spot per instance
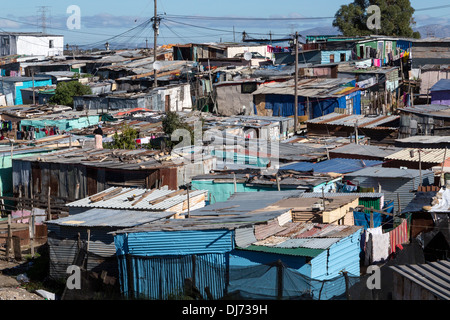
(441, 85)
(334, 165)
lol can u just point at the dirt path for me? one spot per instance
(10, 288)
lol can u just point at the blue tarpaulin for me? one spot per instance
(334, 165)
(379, 219)
(283, 105)
(363, 219)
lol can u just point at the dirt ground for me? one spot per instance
(10, 288)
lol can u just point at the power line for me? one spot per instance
(433, 8)
(248, 18)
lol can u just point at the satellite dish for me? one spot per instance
(248, 56)
(157, 65)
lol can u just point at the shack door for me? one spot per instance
(167, 103)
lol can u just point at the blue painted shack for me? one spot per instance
(89, 233)
(440, 92)
(11, 87)
(316, 97)
(155, 260)
(310, 257)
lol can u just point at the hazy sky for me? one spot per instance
(101, 19)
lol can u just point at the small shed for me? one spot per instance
(363, 152)
(11, 87)
(422, 158)
(156, 260)
(84, 239)
(312, 257)
(440, 92)
(316, 97)
(139, 199)
(396, 184)
(429, 281)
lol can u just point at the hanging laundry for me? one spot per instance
(380, 247)
(369, 243)
(398, 236)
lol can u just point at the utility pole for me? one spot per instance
(34, 95)
(156, 31)
(296, 85)
(43, 18)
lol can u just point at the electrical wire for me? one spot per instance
(248, 18)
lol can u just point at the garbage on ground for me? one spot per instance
(22, 278)
(45, 294)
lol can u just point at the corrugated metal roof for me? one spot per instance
(433, 276)
(241, 203)
(303, 252)
(366, 150)
(295, 236)
(121, 201)
(380, 172)
(320, 88)
(226, 221)
(432, 110)
(244, 237)
(337, 165)
(342, 194)
(110, 218)
(349, 120)
(426, 155)
(311, 243)
(441, 85)
(425, 139)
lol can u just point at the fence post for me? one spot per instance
(9, 239)
(130, 277)
(32, 232)
(16, 248)
(347, 293)
(279, 279)
(371, 217)
(49, 211)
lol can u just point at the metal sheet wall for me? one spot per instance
(178, 242)
(63, 244)
(392, 187)
(163, 278)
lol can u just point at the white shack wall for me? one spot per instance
(262, 50)
(39, 46)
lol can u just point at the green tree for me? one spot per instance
(172, 122)
(65, 91)
(396, 18)
(126, 139)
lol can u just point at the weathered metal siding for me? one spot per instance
(244, 237)
(341, 256)
(265, 230)
(179, 242)
(162, 278)
(391, 187)
(63, 244)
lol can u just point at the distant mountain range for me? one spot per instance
(437, 31)
(434, 30)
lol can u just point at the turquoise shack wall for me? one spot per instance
(29, 84)
(161, 260)
(220, 192)
(6, 182)
(63, 124)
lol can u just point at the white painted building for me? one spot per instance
(233, 50)
(31, 44)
